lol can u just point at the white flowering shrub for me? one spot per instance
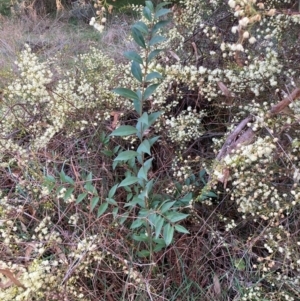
(179, 169)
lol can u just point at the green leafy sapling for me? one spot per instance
(156, 221)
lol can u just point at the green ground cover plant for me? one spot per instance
(154, 158)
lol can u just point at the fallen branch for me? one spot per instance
(241, 136)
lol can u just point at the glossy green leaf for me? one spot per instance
(159, 25)
(153, 54)
(168, 233)
(175, 216)
(144, 119)
(126, 93)
(137, 223)
(112, 191)
(181, 229)
(136, 201)
(124, 130)
(144, 147)
(102, 208)
(128, 181)
(133, 56)
(129, 197)
(147, 13)
(141, 237)
(111, 201)
(142, 174)
(115, 164)
(141, 26)
(94, 202)
(126, 155)
(166, 206)
(149, 4)
(153, 75)
(138, 37)
(162, 4)
(162, 12)
(81, 197)
(153, 117)
(156, 40)
(137, 106)
(150, 90)
(137, 71)
(153, 140)
(149, 186)
(158, 225)
(116, 149)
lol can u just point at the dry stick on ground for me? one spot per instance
(233, 143)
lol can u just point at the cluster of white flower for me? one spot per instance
(185, 127)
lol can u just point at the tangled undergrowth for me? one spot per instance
(171, 173)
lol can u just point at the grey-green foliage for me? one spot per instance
(157, 218)
(5, 7)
